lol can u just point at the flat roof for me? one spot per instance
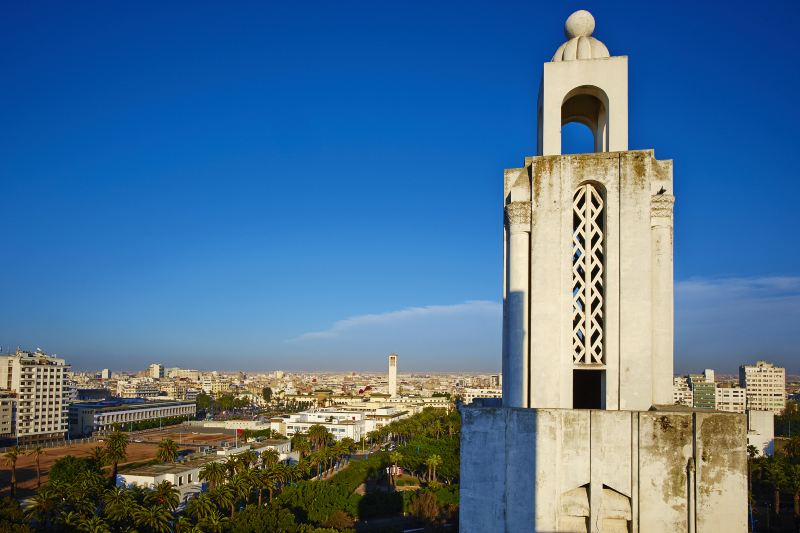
(172, 468)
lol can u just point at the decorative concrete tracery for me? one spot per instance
(518, 213)
(588, 260)
(661, 205)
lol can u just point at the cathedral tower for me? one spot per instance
(586, 439)
(588, 274)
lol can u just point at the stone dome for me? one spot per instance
(580, 45)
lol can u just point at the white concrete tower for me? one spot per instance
(587, 439)
(393, 375)
(588, 248)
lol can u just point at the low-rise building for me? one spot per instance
(138, 388)
(761, 431)
(98, 417)
(339, 423)
(184, 476)
(470, 394)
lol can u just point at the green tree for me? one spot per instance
(318, 436)
(225, 498)
(116, 451)
(69, 468)
(167, 451)
(201, 507)
(203, 402)
(301, 444)
(793, 484)
(257, 519)
(395, 457)
(215, 473)
(269, 457)
(153, 518)
(432, 462)
(37, 453)
(165, 495)
(10, 458)
(119, 505)
(93, 524)
(214, 523)
(775, 472)
(266, 393)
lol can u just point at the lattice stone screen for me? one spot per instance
(588, 260)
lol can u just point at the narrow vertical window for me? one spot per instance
(588, 261)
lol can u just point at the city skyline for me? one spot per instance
(237, 192)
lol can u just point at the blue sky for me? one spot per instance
(312, 185)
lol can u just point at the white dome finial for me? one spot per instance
(579, 24)
(580, 43)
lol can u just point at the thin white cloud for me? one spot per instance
(725, 322)
(353, 323)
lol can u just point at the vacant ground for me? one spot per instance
(26, 466)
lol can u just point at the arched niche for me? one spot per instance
(588, 105)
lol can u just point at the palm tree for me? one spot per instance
(94, 524)
(153, 518)
(248, 459)
(269, 457)
(10, 458)
(225, 498)
(116, 451)
(793, 484)
(432, 462)
(37, 452)
(232, 465)
(43, 507)
(394, 457)
(776, 476)
(201, 507)
(167, 451)
(98, 455)
(241, 485)
(166, 495)
(119, 504)
(301, 444)
(215, 473)
(318, 436)
(268, 478)
(214, 523)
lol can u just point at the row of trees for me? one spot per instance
(771, 477)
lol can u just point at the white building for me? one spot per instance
(766, 386)
(470, 394)
(682, 391)
(87, 418)
(184, 476)
(156, 371)
(393, 375)
(761, 431)
(731, 399)
(587, 438)
(105, 374)
(8, 414)
(41, 399)
(138, 388)
(339, 423)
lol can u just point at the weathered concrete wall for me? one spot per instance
(554, 470)
(637, 279)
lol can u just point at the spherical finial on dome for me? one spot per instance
(579, 24)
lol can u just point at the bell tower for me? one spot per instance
(588, 275)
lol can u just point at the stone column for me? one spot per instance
(662, 292)
(515, 371)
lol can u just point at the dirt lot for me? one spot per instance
(26, 466)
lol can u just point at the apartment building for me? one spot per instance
(138, 388)
(704, 391)
(766, 386)
(682, 391)
(38, 380)
(731, 399)
(8, 414)
(156, 371)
